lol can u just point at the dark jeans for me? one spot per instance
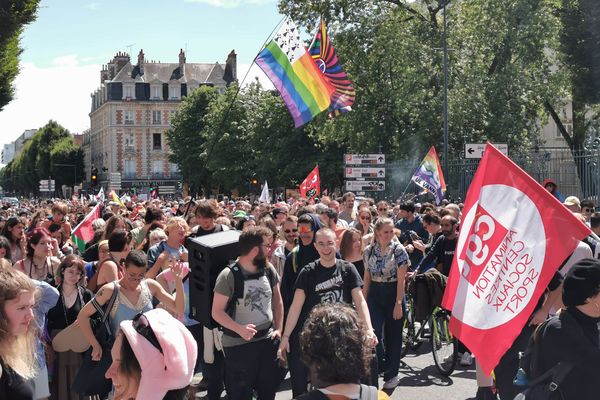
(213, 373)
(196, 331)
(298, 370)
(507, 368)
(381, 301)
(252, 367)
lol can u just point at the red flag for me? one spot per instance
(311, 186)
(513, 237)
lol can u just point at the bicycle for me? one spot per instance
(444, 346)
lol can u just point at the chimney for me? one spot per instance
(141, 61)
(230, 68)
(181, 62)
(120, 60)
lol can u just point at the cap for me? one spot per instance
(238, 214)
(581, 282)
(174, 367)
(572, 201)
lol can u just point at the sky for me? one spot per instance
(66, 46)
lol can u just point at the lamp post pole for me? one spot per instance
(445, 45)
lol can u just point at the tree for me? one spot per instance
(14, 15)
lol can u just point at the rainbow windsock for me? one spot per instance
(304, 89)
(429, 176)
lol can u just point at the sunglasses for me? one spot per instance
(291, 230)
(365, 218)
(587, 210)
(382, 209)
(304, 229)
(142, 326)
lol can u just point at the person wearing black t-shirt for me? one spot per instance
(443, 249)
(326, 280)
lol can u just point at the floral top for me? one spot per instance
(383, 265)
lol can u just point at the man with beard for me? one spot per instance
(442, 251)
(290, 233)
(247, 304)
(300, 256)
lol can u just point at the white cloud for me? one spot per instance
(60, 92)
(230, 3)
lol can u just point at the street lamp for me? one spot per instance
(444, 4)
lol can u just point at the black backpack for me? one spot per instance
(543, 384)
(238, 289)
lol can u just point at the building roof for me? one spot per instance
(166, 72)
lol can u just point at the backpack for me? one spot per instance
(542, 384)
(238, 290)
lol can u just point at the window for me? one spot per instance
(174, 92)
(157, 167)
(128, 92)
(156, 141)
(157, 92)
(128, 117)
(568, 126)
(129, 168)
(129, 143)
(156, 117)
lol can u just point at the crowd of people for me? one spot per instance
(131, 282)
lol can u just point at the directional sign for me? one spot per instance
(369, 172)
(370, 186)
(114, 181)
(47, 185)
(475, 150)
(364, 159)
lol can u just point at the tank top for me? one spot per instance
(13, 386)
(124, 310)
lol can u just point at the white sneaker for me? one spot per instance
(391, 383)
(449, 358)
(466, 360)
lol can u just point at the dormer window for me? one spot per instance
(175, 92)
(156, 92)
(128, 92)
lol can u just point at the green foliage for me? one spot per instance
(14, 15)
(51, 145)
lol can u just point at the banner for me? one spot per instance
(311, 186)
(429, 176)
(264, 195)
(513, 237)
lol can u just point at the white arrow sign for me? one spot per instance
(475, 150)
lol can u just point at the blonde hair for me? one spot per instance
(176, 222)
(19, 353)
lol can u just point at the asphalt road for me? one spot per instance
(420, 380)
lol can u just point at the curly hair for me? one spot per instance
(334, 345)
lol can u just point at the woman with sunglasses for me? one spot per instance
(363, 221)
(73, 296)
(153, 358)
(135, 294)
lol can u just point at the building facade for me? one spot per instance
(132, 111)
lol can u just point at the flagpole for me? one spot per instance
(217, 135)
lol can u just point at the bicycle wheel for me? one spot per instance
(408, 330)
(443, 344)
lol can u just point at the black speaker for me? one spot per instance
(208, 255)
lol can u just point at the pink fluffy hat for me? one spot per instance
(174, 367)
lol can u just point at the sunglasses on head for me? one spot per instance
(290, 230)
(142, 326)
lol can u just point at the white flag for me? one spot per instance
(264, 196)
(100, 195)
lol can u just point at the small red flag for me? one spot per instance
(513, 237)
(311, 186)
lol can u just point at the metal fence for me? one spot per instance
(577, 174)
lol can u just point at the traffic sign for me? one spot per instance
(475, 150)
(47, 185)
(369, 172)
(369, 186)
(364, 159)
(114, 181)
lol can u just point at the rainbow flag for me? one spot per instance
(429, 176)
(324, 55)
(84, 232)
(304, 89)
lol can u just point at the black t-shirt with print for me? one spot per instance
(326, 285)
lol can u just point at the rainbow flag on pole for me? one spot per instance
(429, 176)
(84, 232)
(304, 89)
